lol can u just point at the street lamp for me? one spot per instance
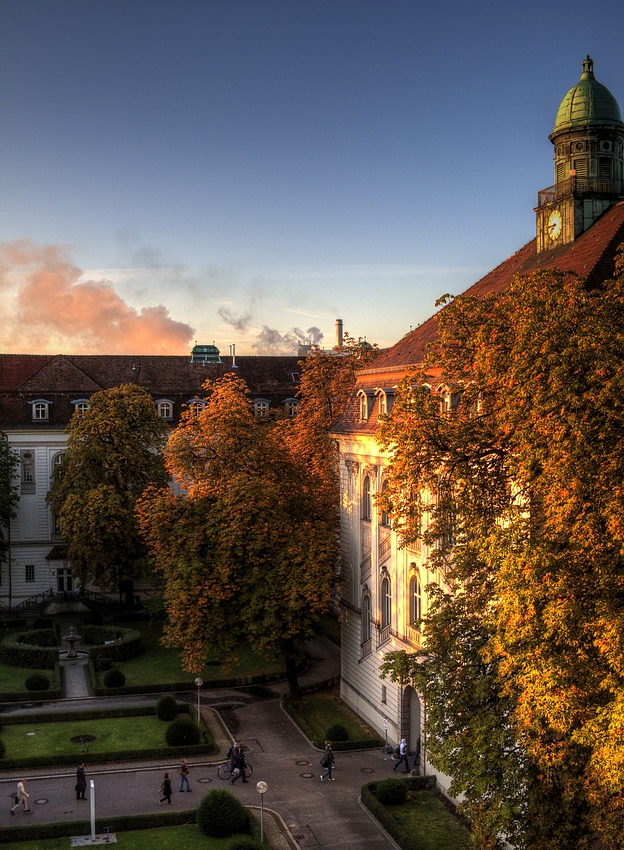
(261, 788)
(199, 682)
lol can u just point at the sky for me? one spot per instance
(247, 171)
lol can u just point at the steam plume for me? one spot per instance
(239, 323)
(45, 309)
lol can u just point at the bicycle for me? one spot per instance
(224, 770)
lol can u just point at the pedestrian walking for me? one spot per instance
(81, 782)
(21, 796)
(184, 776)
(237, 762)
(328, 761)
(165, 790)
(403, 756)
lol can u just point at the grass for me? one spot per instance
(112, 735)
(321, 709)
(429, 823)
(13, 679)
(160, 666)
(163, 838)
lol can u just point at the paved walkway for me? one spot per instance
(318, 814)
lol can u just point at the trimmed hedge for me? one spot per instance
(114, 642)
(379, 811)
(319, 743)
(37, 682)
(36, 648)
(220, 813)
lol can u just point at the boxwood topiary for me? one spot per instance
(337, 732)
(220, 814)
(391, 792)
(114, 679)
(182, 733)
(167, 708)
(37, 682)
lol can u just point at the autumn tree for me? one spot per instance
(518, 487)
(112, 456)
(248, 546)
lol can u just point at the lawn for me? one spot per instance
(429, 823)
(12, 679)
(160, 666)
(112, 735)
(163, 838)
(321, 709)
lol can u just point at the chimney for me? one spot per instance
(338, 333)
(234, 356)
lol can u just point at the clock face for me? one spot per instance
(554, 224)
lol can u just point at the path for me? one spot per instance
(319, 814)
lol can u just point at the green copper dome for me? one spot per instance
(587, 103)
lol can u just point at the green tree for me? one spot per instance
(8, 499)
(249, 547)
(518, 488)
(112, 456)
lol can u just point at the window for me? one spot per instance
(367, 616)
(30, 572)
(27, 467)
(40, 410)
(415, 601)
(165, 409)
(291, 405)
(386, 603)
(196, 405)
(81, 405)
(384, 695)
(367, 398)
(383, 404)
(366, 498)
(261, 408)
(604, 166)
(385, 518)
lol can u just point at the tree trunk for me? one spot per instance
(291, 668)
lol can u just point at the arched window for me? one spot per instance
(367, 617)
(40, 409)
(81, 405)
(196, 405)
(386, 603)
(366, 498)
(165, 409)
(415, 601)
(291, 405)
(385, 517)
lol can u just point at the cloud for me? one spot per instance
(47, 307)
(239, 323)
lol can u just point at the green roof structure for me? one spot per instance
(587, 103)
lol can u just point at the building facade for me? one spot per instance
(38, 396)
(579, 226)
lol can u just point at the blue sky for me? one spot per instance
(258, 167)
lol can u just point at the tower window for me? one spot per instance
(604, 167)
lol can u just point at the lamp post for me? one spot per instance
(199, 682)
(261, 788)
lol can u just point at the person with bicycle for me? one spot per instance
(237, 762)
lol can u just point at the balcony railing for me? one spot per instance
(580, 186)
(384, 635)
(413, 635)
(383, 550)
(366, 648)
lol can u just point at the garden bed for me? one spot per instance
(423, 822)
(317, 711)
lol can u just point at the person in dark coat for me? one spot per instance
(237, 762)
(328, 761)
(81, 782)
(165, 790)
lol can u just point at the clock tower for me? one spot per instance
(588, 138)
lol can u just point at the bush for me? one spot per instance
(337, 732)
(2, 749)
(245, 843)
(104, 663)
(37, 648)
(167, 708)
(114, 679)
(220, 814)
(391, 792)
(37, 682)
(182, 733)
(115, 642)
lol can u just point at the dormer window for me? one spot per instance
(40, 409)
(291, 405)
(367, 399)
(386, 400)
(81, 405)
(261, 408)
(196, 405)
(165, 408)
